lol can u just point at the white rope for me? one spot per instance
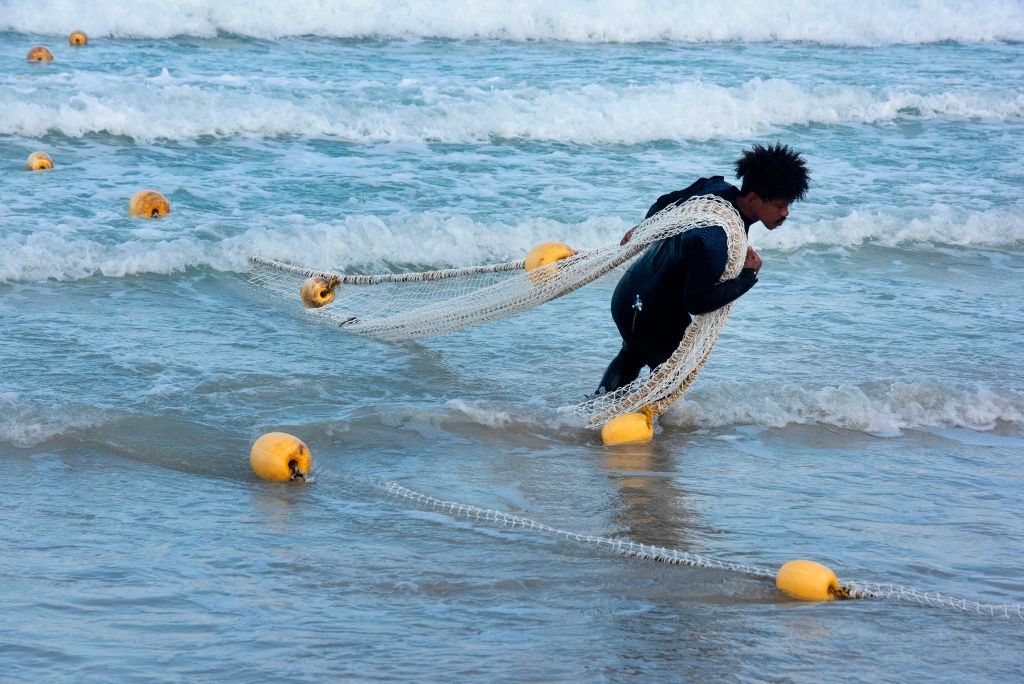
(387, 277)
(857, 590)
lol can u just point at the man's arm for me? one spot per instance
(707, 255)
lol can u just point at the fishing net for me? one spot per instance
(626, 547)
(656, 392)
(402, 306)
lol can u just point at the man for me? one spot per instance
(678, 277)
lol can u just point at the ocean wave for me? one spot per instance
(865, 23)
(368, 243)
(477, 112)
(494, 415)
(354, 242)
(944, 226)
(884, 411)
(26, 425)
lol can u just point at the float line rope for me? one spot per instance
(853, 590)
(621, 546)
(896, 592)
(388, 277)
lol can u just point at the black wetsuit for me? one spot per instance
(675, 278)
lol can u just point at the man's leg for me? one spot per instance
(627, 364)
(621, 371)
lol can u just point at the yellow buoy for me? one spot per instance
(629, 428)
(39, 54)
(149, 204)
(547, 253)
(279, 456)
(542, 255)
(317, 292)
(78, 38)
(38, 161)
(810, 581)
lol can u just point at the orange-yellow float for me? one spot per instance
(280, 457)
(629, 428)
(148, 204)
(39, 54)
(38, 161)
(547, 253)
(542, 255)
(810, 581)
(317, 292)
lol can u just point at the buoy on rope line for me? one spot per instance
(629, 428)
(148, 204)
(38, 161)
(78, 38)
(280, 457)
(810, 581)
(542, 255)
(318, 291)
(547, 253)
(39, 54)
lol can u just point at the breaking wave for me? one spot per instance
(881, 411)
(411, 111)
(370, 243)
(26, 425)
(865, 23)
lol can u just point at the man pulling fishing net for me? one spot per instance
(691, 262)
(681, 276)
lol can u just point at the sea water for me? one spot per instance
(863, 408)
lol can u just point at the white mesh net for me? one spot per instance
(663, 386)
(403, 306)
(854, 590)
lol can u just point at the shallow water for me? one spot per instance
(864, 407)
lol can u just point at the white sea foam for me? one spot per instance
(474, 112)
(437, 240)
(868, 22)
(884, 411)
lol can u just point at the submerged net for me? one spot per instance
(625, 547)
(401, 306)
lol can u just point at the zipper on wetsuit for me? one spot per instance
(638, 306)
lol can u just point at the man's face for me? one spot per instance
(772, 213)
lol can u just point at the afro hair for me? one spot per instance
(773, 172)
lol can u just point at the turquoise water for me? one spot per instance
(863, 408)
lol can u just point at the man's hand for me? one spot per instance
(753, 260)
(627, 236)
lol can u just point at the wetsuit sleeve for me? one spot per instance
(706, 256)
